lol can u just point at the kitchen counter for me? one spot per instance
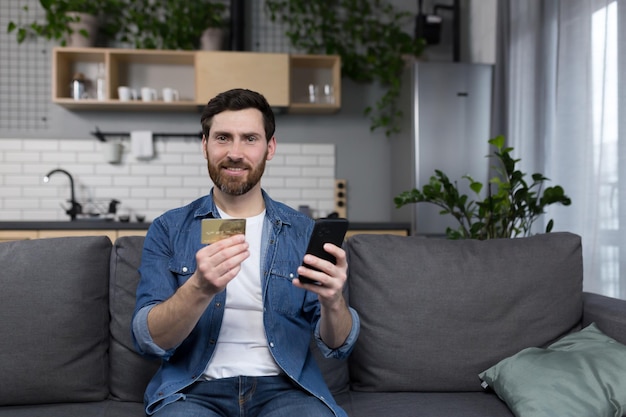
(19, 230)
(73, 225)
(105, 225)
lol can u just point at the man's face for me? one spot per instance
(236, 150)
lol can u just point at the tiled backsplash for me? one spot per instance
(299, 174)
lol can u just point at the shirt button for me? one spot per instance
(185, 269)
(271, 344)
(218, 305)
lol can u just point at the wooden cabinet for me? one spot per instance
(128, 232)
(42, 234)
(197, 76)
(267, 74)
(9, 235)
(396, 232)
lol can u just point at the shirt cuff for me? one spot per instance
(344, 350)
(143, 338)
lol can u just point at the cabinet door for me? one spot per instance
(395, 232)
(9, 235)
(265, 73)
(111, 234)
(137, 232)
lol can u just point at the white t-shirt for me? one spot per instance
(242, 346)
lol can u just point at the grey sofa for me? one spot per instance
(435, 313)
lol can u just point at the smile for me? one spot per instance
(235, 170)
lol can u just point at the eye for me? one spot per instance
(252, 139)
(221, 138)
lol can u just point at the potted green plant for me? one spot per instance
(71, 22)
(509, 210)
(169, 24)
(369, 37)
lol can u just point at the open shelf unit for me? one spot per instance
(124, 67)
(197, 76)
(315, 83)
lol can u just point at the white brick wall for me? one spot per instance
(299, 174)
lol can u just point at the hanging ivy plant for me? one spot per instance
(56, 23)
(169, 24)
(368, 36)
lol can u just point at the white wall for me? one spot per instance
(299, 174)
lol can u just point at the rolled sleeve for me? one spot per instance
(142, 337)
(344, 350)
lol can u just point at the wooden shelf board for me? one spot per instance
(90, 104)
(312, 108)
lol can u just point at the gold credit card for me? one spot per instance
(218, 229)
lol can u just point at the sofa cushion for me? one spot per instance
(55, 320)
(106, 408)
(436, 312)
(423, 404)
(583, 374)
(130, 372)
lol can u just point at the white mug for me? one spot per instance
(113, 152)
(126, 94)
(170, 94)
(148, 94)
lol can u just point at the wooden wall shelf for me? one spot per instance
(197, 76)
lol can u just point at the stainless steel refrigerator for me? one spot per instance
(446, 126)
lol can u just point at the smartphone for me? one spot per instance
(326, 230)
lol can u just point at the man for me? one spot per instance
(231, 320)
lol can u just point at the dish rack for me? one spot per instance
(98, 209)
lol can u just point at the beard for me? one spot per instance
(236, 185)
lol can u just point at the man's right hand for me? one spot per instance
(219, 263)
(171, 321)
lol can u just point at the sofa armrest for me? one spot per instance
(607, 312)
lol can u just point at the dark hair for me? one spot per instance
(238, 99)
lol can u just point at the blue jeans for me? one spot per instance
(245, 396)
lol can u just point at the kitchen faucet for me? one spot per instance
(75, 208)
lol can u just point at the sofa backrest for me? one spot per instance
(130, 372)
(436, 312)
(54, 320)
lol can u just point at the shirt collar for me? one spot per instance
(273, 210)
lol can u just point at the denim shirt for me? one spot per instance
(290, 315)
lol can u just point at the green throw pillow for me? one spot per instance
(583, 374)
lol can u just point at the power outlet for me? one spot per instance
(341, 198)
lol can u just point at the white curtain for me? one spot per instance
(559, 98)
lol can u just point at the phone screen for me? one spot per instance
(327, 230)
